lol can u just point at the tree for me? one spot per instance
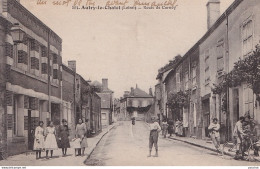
(245, 70)
(178, 100)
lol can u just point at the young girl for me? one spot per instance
(39, 140)
(76, 145)
(84, 144)
(50, 141)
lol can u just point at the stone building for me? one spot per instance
(68, 99)
(136, 103)
(106, 96)
(230, 36)
(234, 35)
(30, 77)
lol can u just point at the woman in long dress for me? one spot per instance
(39, 140)
(50, 141)
(179, 128)
(81, 130)
(63, 135)
(170, 127)
(164, 128)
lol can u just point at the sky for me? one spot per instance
(125, 46)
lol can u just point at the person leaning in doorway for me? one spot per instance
(214, 133)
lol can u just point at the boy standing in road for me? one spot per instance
(214, 133)
(154, 133)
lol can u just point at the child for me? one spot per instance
(84, 143)
(155, 128)
(76, 145)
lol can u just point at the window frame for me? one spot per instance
(245, 37)
(220, 54)
(207, 70)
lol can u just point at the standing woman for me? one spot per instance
(164, 128)
(63, 135)
(50, 141)
(81, 130)
(170, 128)
(39, 140)
(179, 128)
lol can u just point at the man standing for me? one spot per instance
(154, 133)
(214, 133)
(238, 135)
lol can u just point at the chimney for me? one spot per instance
(72, 65)
(132, 91)
(105, 84)
(126, 93)
(213, 12)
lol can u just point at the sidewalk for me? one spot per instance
(57, 160)
(206, 144)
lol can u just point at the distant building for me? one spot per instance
(116, 108)
(106, 96)
(136, 103)
(85, 104)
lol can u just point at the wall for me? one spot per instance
(105, 117)
(247, 10)
(68, 99)
(208, 48)
(27, 87)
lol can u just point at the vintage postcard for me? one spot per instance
(129, 83)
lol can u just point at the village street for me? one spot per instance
(128, 145)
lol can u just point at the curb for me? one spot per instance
(92, 150)
(201, 146)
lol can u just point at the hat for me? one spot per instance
(63, 120)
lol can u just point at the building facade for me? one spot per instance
(137, 103)
(230, 36)
(68, 99)
(106, 96)
(30, 77)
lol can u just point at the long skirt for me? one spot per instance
(84, 143)
(50, 142)
(38, 143)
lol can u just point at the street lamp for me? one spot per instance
(17, 34)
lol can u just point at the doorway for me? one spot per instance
(235, 105)
(206, 112)
(31, 131)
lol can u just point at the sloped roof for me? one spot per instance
(105, 100)
(138, 93)
(96, 84)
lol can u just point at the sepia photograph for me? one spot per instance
(129, 83)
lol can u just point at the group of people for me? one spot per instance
(170, 128)
(246, 127)
(54, 137)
